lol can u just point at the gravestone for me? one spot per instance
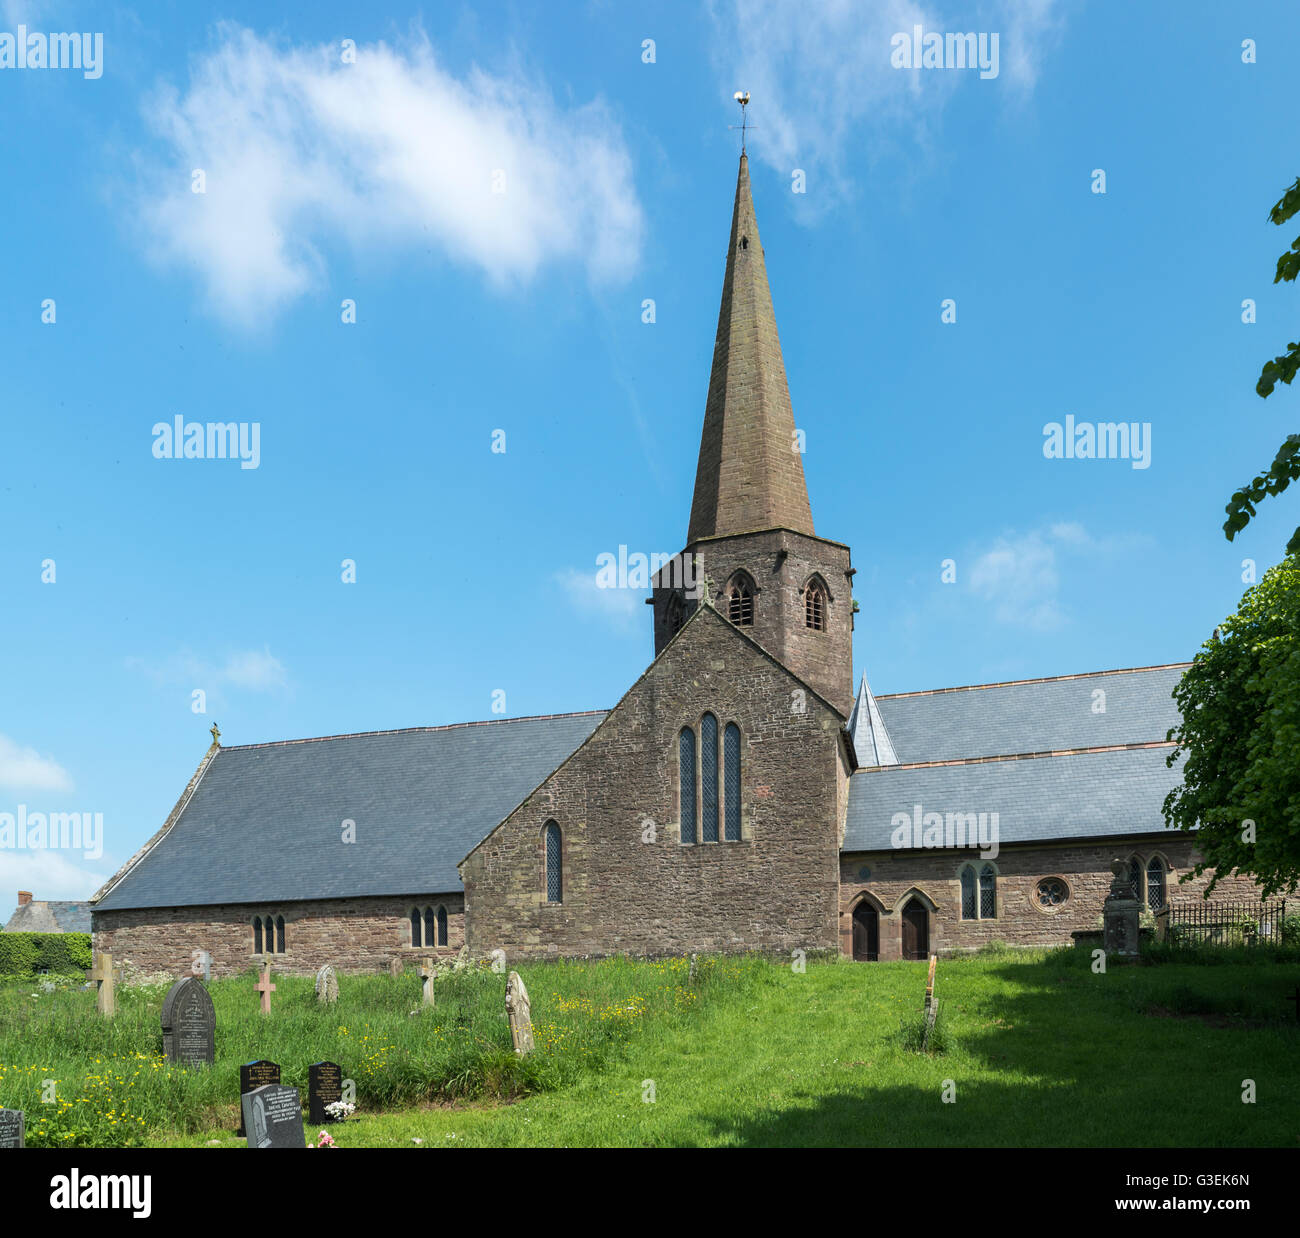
(201, 965)
(428, 970)
(394, 967)
(520, 1014)
(324, 1087)
(189, 1024)
(102, 975)
(273, 1117)
(265, 987)
(327, 984)
(1120, 915)
(12, 1124)
(254, 1075)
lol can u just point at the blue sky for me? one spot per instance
(521, 311)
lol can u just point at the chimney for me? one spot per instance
(24, 897)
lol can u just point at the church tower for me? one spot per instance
(751, 540)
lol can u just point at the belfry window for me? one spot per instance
(740, 601)
(814, 606)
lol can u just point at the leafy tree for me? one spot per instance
(1240, 729)
(1286, 464)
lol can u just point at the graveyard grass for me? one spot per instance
(1040, 1051)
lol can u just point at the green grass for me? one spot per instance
(1034, 1049)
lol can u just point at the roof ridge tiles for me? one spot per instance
(1013, 683)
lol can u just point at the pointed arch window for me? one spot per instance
(988, 892)
(709, 777)
(257, 935)
(554, 864)
(416, 938)
(1134, 877)
(740, 600)
(279, 934)
(1155, 883)
(675, 613)
(968, 903)
(430, 929)
(686, 782)
(731, 782)
(442, 926)
(814, 605)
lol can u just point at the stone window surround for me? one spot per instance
(421, 908)
(746, 834)
(977, 867)
(275, 917)
(541, 864)
(1060, 907)
(1143, 862)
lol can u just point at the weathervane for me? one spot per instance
(742, 97)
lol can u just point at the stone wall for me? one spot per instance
(630, 885)
(886, 879)
(781, 562)
(360, 934)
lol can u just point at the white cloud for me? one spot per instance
(391, 153)
(826, 97)
(1019, 576)
(622, 608)
(252, 669)
(48, 875)
(24, 769)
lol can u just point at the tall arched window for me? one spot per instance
(416, 939)
(731, 782)
(814, 605)
(429, 928)
(554, 864)
(279, 934)
(1134, 877)
(686, 780)
(988, 892)
(442, 926)
(257, 935)
(709, 777)
(740, 600)
(1155, 883)
(968, 903)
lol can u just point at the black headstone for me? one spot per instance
(11, 1128)
(273, 1117)
(324, 1087)
(189, 1024)
(255, 1075)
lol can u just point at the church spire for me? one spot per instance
(749, 476)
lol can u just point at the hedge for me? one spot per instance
(24, 954)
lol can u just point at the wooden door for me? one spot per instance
(866, 933)
(916, 931)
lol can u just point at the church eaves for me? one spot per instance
(749, 476)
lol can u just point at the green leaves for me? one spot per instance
(1240, 734)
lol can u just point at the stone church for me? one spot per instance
(740, 796)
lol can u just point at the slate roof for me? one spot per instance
(1039, 799)
(264, 823)
(50, 916)
(867, 728)
(1042, 715)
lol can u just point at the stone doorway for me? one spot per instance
(916, 931)
(866, 933)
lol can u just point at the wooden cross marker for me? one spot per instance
(931, 1006)
(265, 987)
(102, 975)
(427, 973)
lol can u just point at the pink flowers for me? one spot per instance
(325, 1140)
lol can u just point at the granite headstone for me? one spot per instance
(324, 1087)
(273, 1117)
(189, 1024)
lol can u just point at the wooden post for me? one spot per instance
(931, 1005)
(265, 987)
(102, 975)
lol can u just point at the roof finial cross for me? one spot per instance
(742, 97)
